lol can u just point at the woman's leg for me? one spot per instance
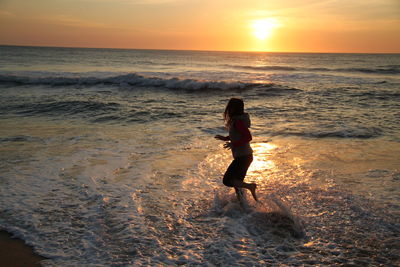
(236, 173)
(252, 187)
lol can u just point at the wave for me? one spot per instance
(19, 138)
(380, 95)
(60, 108)
(357, 133)
(284, 68)
(131, 79)
(390, 69)
(92, 110)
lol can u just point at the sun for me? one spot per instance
(263, 28)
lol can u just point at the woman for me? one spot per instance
(237, 122)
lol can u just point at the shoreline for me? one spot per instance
(14, 252)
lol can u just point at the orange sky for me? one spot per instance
(229, 25)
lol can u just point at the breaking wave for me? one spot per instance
(359, 133)
(64, 107)
(131, 79)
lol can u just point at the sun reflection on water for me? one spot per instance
(261, 160)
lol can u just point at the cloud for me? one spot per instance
(347, 15)
(343, 9)
(152, 2)
(362, 10)
(134, 2)
(66, 20)
(6, 14)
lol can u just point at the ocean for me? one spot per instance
(108, 157)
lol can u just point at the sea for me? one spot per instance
(108, 157)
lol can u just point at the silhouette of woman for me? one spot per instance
(237, 122)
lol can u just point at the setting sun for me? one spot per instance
(263, 28)
(253, 25)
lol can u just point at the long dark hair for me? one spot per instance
(234, 107)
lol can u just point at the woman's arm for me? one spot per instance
(222, 138)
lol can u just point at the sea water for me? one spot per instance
(107, 157)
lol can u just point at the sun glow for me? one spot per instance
(263, 28)
(261, 161)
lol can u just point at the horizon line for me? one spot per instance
(195, 50)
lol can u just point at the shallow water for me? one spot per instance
(108, 157)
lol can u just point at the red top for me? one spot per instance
(246, 135)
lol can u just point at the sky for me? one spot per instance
(349, 26)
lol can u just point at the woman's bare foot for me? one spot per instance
(252, 189)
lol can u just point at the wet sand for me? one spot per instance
(14, 252)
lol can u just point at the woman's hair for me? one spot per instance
(234, 107)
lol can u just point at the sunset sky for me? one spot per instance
(229, 25)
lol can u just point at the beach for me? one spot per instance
(14, 252)
(108, 157)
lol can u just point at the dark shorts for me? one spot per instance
(237, 170)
